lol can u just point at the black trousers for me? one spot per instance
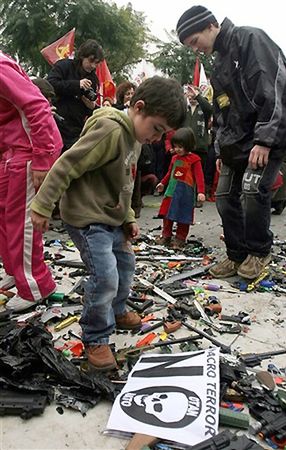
(243, 200)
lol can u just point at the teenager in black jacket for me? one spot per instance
(76, 84)
(249, 81)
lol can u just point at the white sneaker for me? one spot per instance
(7, 282)
(17, 303)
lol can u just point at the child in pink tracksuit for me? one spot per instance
(29, 144)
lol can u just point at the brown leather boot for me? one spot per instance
(163, 240)
(178, 244)
(100, 357)
(128, 321)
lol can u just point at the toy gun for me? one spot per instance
(251, 286)
(269, 425)
(60, 312)
(227, 441)
(254, 359)
(275, 428)
(23, 404)
(197, 272)
(223, 347)
(167, 297)
(133, 353)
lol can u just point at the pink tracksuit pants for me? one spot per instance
(21, 248)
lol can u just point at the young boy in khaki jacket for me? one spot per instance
(94, 180)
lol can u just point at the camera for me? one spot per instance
(90, 94)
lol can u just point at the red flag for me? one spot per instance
(107, 86)
(60, 49)
(196, 77)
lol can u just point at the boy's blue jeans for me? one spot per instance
(110, 260)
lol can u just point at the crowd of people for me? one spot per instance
(98, 159)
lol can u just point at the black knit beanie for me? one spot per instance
(194, 20)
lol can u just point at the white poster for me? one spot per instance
(173, 397)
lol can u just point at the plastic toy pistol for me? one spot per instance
(254, 359)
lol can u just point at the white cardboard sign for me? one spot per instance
(173, 397)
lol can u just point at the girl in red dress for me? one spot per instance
(184, 178)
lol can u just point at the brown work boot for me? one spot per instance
(162, 240)
(253, 266)
(100, 357)
(128, 321)
(224, 269)
(177, 244)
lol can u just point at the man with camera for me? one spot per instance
(76, 84)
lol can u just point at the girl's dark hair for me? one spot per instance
(184, 137)
(121, 90)
(90, 48)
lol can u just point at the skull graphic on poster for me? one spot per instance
(164, 406)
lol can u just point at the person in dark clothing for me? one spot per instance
(198, 115)
(124, 93)
(162, 158)
(76, 84)
(249, 82)
(145, 180)
(211, 173)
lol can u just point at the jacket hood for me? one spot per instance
(113, 114)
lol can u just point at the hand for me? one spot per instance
(38, 177)
(90, 104)
(218, 165)
(131, 230)
(85, 83)
(258, 156)
(193, 92)
(201, 197)
(39, 222)
(159, 187)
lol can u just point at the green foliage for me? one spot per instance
(178, 61)
(29, 25)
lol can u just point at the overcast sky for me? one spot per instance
(268, 15)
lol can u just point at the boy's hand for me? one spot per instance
(38, 177)
(193, 92)
(201, 197)
(131, 230)
(160, 187)
(258, 156)
(39, 222)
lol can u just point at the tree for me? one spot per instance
(178, 61)
(29, 25)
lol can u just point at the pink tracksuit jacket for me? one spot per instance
(29, 140)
